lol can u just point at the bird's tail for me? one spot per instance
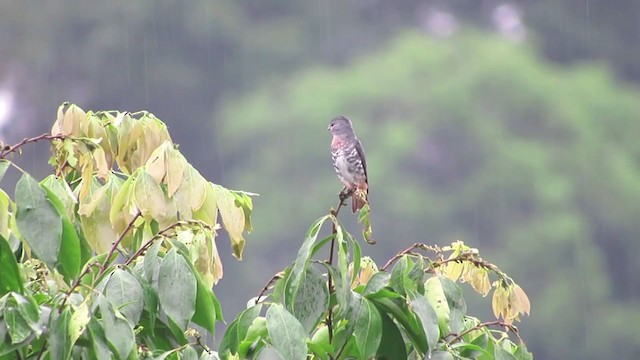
(359, 199)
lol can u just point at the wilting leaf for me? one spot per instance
(101, 163)
(232, 218)
(175, 277)
(151, 200)
(37, 220)
(94, 216)
(79, 320)
(208, 211)
(286, 333)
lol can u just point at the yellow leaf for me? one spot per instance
(479, 280)
(72, 121)
(232, 219)
(87, 173)
(522, 300)
(151, 200)
(124, 124)
(175, 168)
(367, 269)
(79, 320)
(119, 215)
(94, 216)
(192, 192)
(452, 270)
(500, 302)
(101, 163)
(98, 132)
(208, 212)
(5, 201)
(156, 165)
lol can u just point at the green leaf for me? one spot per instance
(312, 299)
(286, 334)
(502, 354)
(126, 294)
(392, 344)
(189, 353)
(59, 339)
(522, 353)
(37, 220)
(397, 309)
(151, 263)
(427, 317)
(299, 268)
(118, 331)
(238, 329)
(257, 331)
(441, 355)
(399, 274)
(17, 326)
(457, 305)
(378, 281)
(150, 300)
(175, 277)
(368, 329)
(4, 165)
(69, 257)
(269, 353)
(11, 280)
(99, 348)
(207, 305)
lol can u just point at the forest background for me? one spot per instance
(509, 125)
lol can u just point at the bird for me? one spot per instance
(349, 162)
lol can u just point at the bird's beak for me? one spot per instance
(329, 127)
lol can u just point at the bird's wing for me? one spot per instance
(360, 151)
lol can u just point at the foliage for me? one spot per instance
(114, 255)
(352, 309)
(479, 139)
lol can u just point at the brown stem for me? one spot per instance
(103, 268)
(266, 287)
(75, 284)
(509, 327)
(162, 233)
(343, 197)
(8, 149)
(408, 251)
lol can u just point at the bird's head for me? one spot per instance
(340, 125)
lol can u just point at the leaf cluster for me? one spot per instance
(114, 255)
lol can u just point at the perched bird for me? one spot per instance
(348, 161)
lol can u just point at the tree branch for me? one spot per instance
(8, 149)
(103, 268)
(163, 233)
(409, 250)
(275, 277)
(75, 284)
(508, 327)
(343, 196)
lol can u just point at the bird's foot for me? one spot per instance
(345, 193)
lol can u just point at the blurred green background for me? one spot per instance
(512, 126)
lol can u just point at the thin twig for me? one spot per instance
(75, 284)
(116, 243)
(509, 327)
(343, 197)
(408, 251)
(8, 149)
(163, 233)
(266, 287)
